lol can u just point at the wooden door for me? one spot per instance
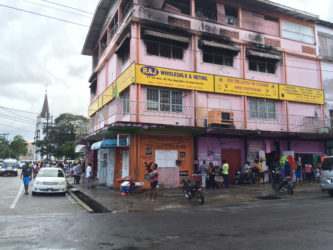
(233, 158)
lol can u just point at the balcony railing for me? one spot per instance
(190, 116)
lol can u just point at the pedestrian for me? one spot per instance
(26, 176)
(308, 172)
(211, 176)
(225, 172)
(153, 180)
(203, 169)
(78, 173)
(298, 172)
(89, 176)
(75, 174)
(317, 174)
(260, 173)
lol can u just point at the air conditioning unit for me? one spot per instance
(220, 118)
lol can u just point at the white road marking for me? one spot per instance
(17, 197)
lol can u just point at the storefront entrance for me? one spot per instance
(233, 158)
(168, 170)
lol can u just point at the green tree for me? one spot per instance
(4, 148)
(60, 136)
(18, 146)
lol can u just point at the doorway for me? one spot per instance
(233, 158)
(125, 164)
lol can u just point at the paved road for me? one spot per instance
(56, 223)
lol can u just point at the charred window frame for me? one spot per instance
(104, 42)
(93, 84)
(113, 26)
(123, 49)
(231, 15)
(164, 100)
(95, 57)
(165, 45)
(262, 109)
(184, 6)
(125, 7)
(262, 61)
(218, 53)
(206, 10)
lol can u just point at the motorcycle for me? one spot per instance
(193, 189)
(246, 178)
(285, 184)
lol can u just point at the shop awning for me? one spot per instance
(96, 145)
(109, 143)
(181, 39)
(219, 45)
(80, 149)
(251, 52)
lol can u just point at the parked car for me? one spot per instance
(9, 167)
(326, 179)
(50, 180)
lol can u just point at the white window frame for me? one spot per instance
(262, 109)
(125, 103)
(164, 100)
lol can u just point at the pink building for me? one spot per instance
(188, 80)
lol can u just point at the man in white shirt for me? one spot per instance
(89, 176)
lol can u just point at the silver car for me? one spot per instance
(326, 179)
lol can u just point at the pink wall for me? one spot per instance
(256, 22)
(303, 72)
(112, 69)
(100, 82)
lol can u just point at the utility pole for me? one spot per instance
(4, 144)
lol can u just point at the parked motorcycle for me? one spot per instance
(285, 184)
(193, 188)
(245, 178)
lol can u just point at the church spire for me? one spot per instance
(45, 111)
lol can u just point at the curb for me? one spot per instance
(84, 205)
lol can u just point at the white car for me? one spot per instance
(50, 180)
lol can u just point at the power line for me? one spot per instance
(69, 7)
(24, 111)
(38, 14)
(46, 6)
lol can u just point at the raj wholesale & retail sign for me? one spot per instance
(244, 87)
(299, 94)
(170, 78)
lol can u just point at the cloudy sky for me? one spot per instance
(39, 52)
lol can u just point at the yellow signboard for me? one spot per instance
(170, 78)
(299, 94)
(126, 78)
(93, 107)
(237, 86)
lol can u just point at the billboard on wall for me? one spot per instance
(244, 87)
(93, 107)
(299, 94)
(171, 78)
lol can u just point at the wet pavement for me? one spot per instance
(112, 200)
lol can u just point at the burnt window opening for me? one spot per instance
(113, 26)
(104, 43)
(218, 52)
(180, 6)
(93, 87)
(206, 10)
(125, 7)
(231, 15)
(264, 65)
(123, 49)
(272, 19)
(95, 57)
(165, 45)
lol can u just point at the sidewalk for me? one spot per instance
(173, 198)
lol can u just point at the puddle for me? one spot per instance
(269, 197)
(94, 205)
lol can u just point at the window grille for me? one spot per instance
(262, 109)
(164, 100)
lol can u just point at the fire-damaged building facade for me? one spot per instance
(180, 82)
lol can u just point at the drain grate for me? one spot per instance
(269, 197)
(91, 203)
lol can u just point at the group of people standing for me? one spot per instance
(208, 173)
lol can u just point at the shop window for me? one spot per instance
(164, 44)
(231, 15)
(113, 26)
(164, 100)
(180, 6)
(206, 10)
(262, 109)
(125, 7)
(126, 103)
